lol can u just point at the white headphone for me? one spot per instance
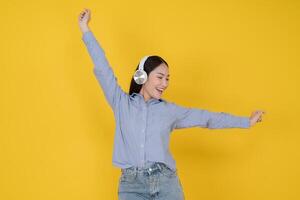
(140, 76)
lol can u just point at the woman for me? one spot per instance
(144, 122)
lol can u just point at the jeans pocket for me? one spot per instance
(167, 172)
(128, 176)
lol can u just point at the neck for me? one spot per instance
(145, 94)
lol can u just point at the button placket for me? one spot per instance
(144, 133)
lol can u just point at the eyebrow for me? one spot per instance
(163, 74)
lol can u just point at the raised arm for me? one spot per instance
(102, 69)
(195, 117)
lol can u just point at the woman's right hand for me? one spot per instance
(256, 116)
(83, 20)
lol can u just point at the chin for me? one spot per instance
(157, 96)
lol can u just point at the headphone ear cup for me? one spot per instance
(140, 77)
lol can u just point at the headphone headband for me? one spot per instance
(142, 62)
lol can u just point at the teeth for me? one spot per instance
(160, 90)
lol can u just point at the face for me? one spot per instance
(157, 82)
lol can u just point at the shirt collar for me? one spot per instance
(152, 100)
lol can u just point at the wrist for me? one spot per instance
(252, 122)
(84, 28)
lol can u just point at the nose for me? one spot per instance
(165, 84)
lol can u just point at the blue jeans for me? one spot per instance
(157, 182)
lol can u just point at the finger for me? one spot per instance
(257, 114)
(260, 113)
(83, 15)
(259, 119)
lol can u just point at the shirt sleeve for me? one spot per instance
(195, 117)
(102, 70)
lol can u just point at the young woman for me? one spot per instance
(144, 122)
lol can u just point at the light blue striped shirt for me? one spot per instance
(143, 129)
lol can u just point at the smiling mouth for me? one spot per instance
(160, 92)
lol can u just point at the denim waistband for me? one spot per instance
(150, 168)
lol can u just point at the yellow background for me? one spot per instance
(56, 129)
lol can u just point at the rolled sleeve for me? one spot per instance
(195, 117)
(102, 70)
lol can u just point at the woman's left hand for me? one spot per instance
(256, 116)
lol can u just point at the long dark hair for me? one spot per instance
(151, 63)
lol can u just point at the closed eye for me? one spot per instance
(162, 77)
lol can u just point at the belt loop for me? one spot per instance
(135, 170)
(159, 166)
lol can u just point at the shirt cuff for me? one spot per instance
(87, 36)
(245, 122)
